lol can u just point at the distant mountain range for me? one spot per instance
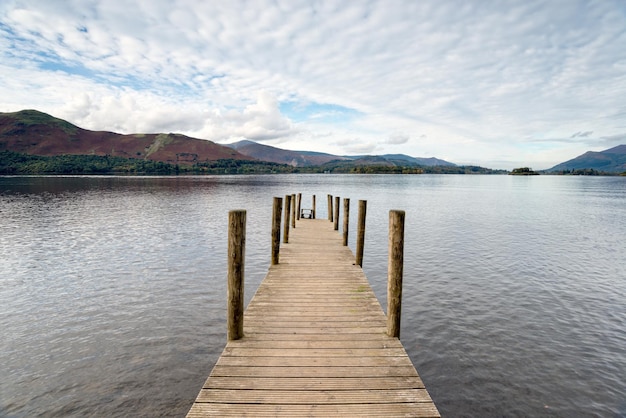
(310, 158)
(37, 133)
(612, 160)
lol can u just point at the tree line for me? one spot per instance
(14, 163)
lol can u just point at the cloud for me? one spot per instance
(477, 81)
(580, 134)
(262, 121)
(356, 146)
(397, 139)
(129, 111)
(613, 140)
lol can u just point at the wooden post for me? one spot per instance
(336, 224)
(394, 272)
(313, 211)
(293, 210)
(276, 215)
(346, 220)
(360, 234)
(287, 213)
(299, 205)
(330, 207)
(236, 259)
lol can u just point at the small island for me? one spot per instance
(523, 171)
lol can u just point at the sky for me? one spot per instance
(495, 83)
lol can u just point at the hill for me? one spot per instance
(36, 133)
(282, 156)
(612, 160)
(407, 161)
(310, 158)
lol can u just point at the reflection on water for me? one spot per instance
(112, 289)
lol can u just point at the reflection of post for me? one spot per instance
(346, 220)
(313, 211)
(360, 233)
(276, 215)
(299, 205)
(330, 208)
(236, 261)
(293, 210)
(287, 212)
(336, 224)
(394, 272)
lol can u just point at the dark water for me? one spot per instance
(112, 289)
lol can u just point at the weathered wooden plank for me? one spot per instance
(318, 397)
(315, 337)
(310, 361)
(314, 383)
(267, 316)
(416, 409)
(315, 342)
(313, 352)
(320, 330)
(315, 324)
(341, 371)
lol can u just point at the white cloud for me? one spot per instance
(483, 81)
(397, 139)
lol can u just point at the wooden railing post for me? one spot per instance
(236, 264)
(330, 208)
(394, 272)
(346, 220)
(360, 233)
(293, 210)
(313, 209)
(299, 205)
(287, 218)
(276, 216)
(336, 224)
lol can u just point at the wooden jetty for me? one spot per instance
(315, 342)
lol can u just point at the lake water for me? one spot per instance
(112, 289)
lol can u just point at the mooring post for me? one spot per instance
(360, 232)
(336, 224)
(330, 208)
(394, 272)
(299, 205)
(287, 212)
(276, 216)
(313, 211)
(293, 210)
(236, 261)
(346, 220)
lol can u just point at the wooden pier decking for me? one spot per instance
(315, 343)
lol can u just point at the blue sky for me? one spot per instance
(500, 84)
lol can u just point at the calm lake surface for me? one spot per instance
(112, 289)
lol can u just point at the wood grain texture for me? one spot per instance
(315, 343)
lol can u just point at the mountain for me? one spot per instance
(282, 156)
(36, 133)
(408, 161)
(612, 160)
(310, 158)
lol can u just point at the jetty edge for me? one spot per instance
(314, 340)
